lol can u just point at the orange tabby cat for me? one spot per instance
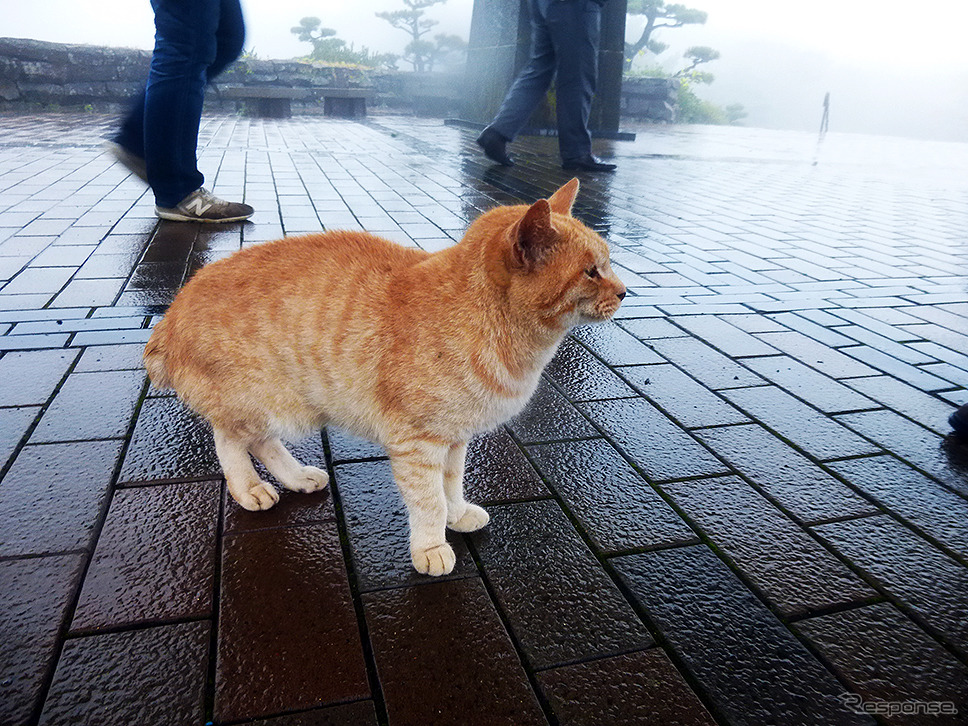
(413, 350)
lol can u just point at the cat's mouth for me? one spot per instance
(602, 312)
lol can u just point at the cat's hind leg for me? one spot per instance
(243, 482)
(284, 467)
(461, 515)
(418, 469)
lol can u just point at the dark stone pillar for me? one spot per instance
(606, 110)
(498, 47)
(500, 38)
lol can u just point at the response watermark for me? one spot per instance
(858, 705)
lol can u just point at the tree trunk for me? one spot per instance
(642, 42)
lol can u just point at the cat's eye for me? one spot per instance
(592, 272)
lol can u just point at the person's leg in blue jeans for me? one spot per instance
(229, 36)
(185, 47)
(194, 41)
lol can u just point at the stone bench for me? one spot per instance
(276, 101)
(266, 101)
(345, 102)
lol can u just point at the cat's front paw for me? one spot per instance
(309, 479)
(435, 561)
(261, 496)
(473, 518)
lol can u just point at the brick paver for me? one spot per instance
(738, 503)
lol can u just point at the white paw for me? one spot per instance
(473, 519)
(434, 561)
(261, 496)
(309, 479)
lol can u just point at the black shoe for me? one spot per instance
(587, 163)
(494, 146)
(959, 421)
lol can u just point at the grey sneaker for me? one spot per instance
(134, 164)
(203, 206)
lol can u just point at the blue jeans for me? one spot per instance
(564, 46)
(195, 40)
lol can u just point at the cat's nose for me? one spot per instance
(621, 295)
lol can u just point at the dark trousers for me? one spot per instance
(564, 47)
(195, 40)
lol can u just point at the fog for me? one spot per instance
(129, 23)
(888, 72)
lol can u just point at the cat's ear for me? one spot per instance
(562, 200)
(533, 235)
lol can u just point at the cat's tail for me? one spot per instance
(154, 356)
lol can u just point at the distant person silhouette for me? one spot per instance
(564, 46)
(195, 40)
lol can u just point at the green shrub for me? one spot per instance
(694, 110)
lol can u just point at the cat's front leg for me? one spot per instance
(461, 515)
(418, 469)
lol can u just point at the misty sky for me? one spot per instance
(888, 72)
(268, 22)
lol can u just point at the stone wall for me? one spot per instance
(36, 75)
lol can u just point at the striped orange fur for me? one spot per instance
(416, 351)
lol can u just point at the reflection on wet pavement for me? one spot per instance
(737, 503)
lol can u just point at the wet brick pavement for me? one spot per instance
(736, 504)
